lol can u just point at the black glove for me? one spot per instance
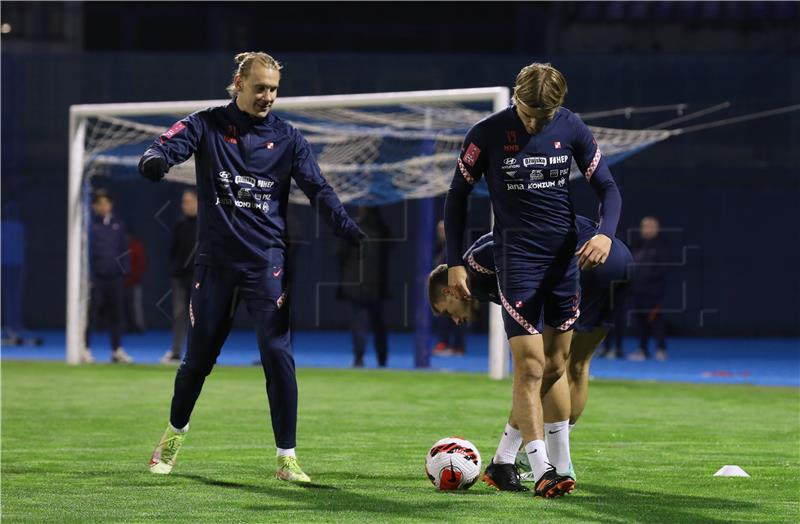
(153, 168)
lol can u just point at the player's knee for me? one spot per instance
(274, 353)
(556, 364)
(195, 369)
(530, 370)
(552, 374)
(577, 368)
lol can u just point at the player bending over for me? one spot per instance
(246, 158)
(525, 152)
(603, 289)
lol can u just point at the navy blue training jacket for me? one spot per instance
(528, 180)
(108, 248)
(244, 168)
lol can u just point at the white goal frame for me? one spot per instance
(77, 266)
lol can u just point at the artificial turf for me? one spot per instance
(76, 440)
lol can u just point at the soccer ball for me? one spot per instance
(453, 463)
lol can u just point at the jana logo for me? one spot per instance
(538, 161)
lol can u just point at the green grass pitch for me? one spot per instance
(75, 443)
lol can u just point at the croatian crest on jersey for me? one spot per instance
(176, 128)
(471, 154)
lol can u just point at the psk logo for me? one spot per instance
(518, 304)
(270, 145)
(197, 285)
(557, 144)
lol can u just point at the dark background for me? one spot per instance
(728, 196)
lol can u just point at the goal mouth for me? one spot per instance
(370, 156)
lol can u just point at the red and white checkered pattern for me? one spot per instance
(191, 311)
(568, 324)
(516, 316)
(464, 172)
(477, 267)
(593, 165)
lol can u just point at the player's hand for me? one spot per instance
(594, 252)
(153, 168)
(457, 282)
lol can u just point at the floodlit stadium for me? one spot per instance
(301, 265)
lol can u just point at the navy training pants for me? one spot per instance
(215, 295)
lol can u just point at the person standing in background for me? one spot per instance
(613, 342)
(181, 267)
(109, 263)
(364, 283)
(13, 273)
(649, 289)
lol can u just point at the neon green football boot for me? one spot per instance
(166, 451)
(289, 470)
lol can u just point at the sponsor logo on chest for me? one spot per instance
(535, 161)
(510, 166)
(515, 186)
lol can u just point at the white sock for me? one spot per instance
(285, 452)
(556, 435)
(571, 426)
(184, 429)
(509, 445)
(537, 455)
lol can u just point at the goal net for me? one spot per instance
(374, 149)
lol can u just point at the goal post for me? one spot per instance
(445, 130)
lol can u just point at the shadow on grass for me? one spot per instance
(590, 502)
(652, 506)
(320, 497)
(250, 487)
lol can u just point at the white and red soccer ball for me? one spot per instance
(453, 463)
